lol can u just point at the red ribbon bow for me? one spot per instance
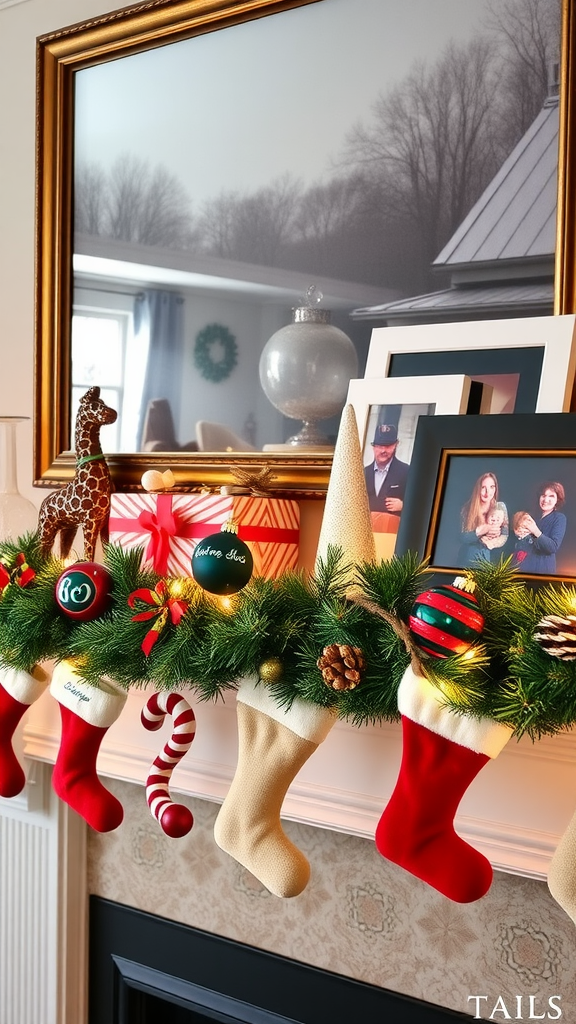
(161, 525)
(19, 573)
(164, 608)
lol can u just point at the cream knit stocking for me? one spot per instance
(562, 873)
(273, 745)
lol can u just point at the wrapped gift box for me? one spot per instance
(169, 526)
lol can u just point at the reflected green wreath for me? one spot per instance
(211, 368)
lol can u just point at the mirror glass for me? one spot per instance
(209, 179)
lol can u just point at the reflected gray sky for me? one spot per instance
(238, 107)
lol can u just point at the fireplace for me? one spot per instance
(145, 969)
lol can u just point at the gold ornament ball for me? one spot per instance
(270, 671)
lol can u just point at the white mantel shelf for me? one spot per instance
(515, 811)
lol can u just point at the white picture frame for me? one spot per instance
(409, 398)
(481, 348)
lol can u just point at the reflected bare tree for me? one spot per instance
(408, 174)
(217, 225)
(254, 227)
(325, 212)
(90, 199)
(134, 202)
(432, 144)
(429, 143)
(526, 34)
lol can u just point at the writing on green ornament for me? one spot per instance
(232, 555)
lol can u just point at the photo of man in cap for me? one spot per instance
(386, 475)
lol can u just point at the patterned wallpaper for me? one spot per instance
(360, 915)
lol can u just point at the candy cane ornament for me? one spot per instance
(175, 819)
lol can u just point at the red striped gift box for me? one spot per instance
(168, 527)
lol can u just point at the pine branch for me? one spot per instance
(331, 577)
(394, 584)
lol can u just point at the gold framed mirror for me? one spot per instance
(141, 29)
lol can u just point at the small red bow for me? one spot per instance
(164, 608)
(19, 573)
(162, 525)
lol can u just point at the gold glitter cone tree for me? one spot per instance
(346, 522)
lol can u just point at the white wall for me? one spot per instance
(231, 400)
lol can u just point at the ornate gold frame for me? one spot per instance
(59, 55)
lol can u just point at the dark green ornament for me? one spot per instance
(222, 563)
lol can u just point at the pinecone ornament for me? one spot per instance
(556, 634)
(341, 666)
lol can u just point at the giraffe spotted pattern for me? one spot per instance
(85, 501)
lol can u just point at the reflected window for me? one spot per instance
(99, 352)
(105, 353)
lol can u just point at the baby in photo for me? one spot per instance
(495, 520)
(523, 538)
(517, 525)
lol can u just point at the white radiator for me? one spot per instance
(42, 907)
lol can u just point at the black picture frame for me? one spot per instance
(524, 451)
(526, 362)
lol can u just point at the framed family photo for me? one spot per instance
(529, 362)
(387, 413)
(490, 488)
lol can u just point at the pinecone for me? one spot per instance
(341, 666)
(557, 636)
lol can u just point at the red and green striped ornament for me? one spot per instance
(446, 620)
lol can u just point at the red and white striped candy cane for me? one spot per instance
(175, 819)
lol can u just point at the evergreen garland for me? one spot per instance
(507, 677)
(31, 626)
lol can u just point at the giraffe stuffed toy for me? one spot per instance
(85, 501)
(86, 711)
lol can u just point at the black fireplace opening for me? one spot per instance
(144, 969)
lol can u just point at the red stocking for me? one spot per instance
(18, 690)
(442, 754)
(87, 712)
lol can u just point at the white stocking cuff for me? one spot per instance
(25, 687)
(307, 720)
(420, 701)
(97, 705)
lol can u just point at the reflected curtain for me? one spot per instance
(159, 323)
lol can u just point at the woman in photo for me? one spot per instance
(484, 522)
(546, 532)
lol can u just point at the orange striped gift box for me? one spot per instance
(168, 527)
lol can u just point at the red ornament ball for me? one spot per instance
(176, 821)
(83, 591)
(445, 621)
